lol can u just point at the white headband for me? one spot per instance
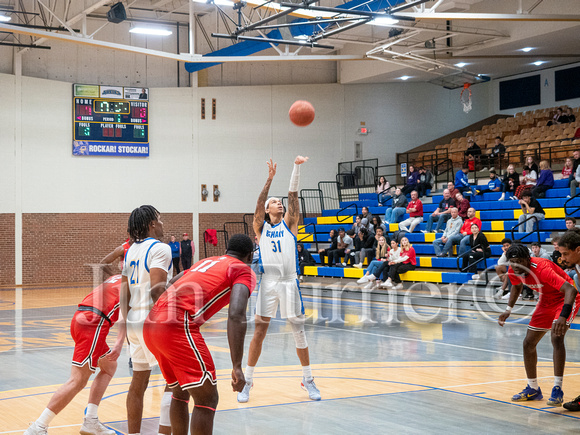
(268, 203)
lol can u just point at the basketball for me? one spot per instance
(301, 113)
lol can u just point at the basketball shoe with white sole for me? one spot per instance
(310, 386)
(244, 395)
(36, 429)
(92, 426)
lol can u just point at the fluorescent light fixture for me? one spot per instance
(460, 64)
(4, 18)
(217, 2)
(539, 62)
(405, 77)
(302, 41)
(302, 37)
(150, 31)
(383, 21)
(526, 49)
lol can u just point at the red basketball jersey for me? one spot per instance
(205, 288)
(106, 298)
(545, 277)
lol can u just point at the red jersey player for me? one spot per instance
(89, 328)
(119, 253)
(556, 309)
(171, 331)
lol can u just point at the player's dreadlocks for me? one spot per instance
(139, 221)
(518, 250)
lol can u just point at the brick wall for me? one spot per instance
(216, 221)
(7, 248)
(58, 246)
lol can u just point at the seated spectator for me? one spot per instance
(493, 185)
(537, 251)
(357, 225)
(545, 181)
(480, 250)
(510, 183)
(376, 223)
(558, 117)
(344, 244)
(497, 153)
(366, 214)
(324, 252)
(364, 222)
(406, 262)
(465, 243)
(570, 115)
(530, 207)
(529, 162)
(461, 179)
(380, 233)
(381, 254)
(441, 214)
(452, 190)
(462, 205)
(472, 153)
(570, 222)
(363, 249)
(397, 209)
(567, 169)
(575, 179)
(304, 258)
(412, 180)
(528, 182)
(392, 258)
(425, 181)
(451, 235)
(415, 210)
(501, 269)
(383, 188)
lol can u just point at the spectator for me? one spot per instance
(510, 183)
(501, 269)
(344, 244)
(530, 207)
(537, 251)
(392, 258)
(531, 164)
(381, 254)
(441, 214)
(464, 244)
(397, 209)
(383, 188)
(451, 235)
(472, 154)
(425, 182)
(175, 255)
(570, 115)
(497, 152)
(332, 236)
(529, 178)
(363, 243)
(407, 262)
(357, 225)
(462, 205)
(545, 180)
(461, 179)
(567, 169)
(415, 210)
(480, 250)
(366, 214)
(452, 190)
(558, 117)
(187, 251)
(575, 179)
(570, 222)
(493, 185)
(412, 180)
(376, 224)
(304, 258)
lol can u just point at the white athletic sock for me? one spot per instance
(533, 383)
(249, 374)
(558, 380)
(45, 418)
(307, 373)
(92, 410)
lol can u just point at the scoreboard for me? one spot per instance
(110, 121)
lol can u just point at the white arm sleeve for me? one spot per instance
(294, 179)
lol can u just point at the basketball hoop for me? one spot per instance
(466, 100)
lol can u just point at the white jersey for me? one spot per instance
(139, 260)
(278, 253)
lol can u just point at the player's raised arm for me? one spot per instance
(237, 332)
(293, 214)
(107, 262)
(260, 212)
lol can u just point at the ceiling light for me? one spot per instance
(303, 37)
(5, 18)
(405, 77)
(526, 49)
(460, 64)
(217, 2)
(539, 62)
(383, 21)
(151, 31)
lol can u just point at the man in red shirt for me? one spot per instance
(89, 328)
(415, 210)
(556, 309)
(466, 230)
(172, 334)
(462, 204)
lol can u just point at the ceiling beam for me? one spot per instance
(494, 17)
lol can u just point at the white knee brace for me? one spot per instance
(299, 334)
(164, 419)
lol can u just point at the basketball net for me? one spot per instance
(466, 99)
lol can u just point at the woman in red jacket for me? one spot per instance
(406, 262)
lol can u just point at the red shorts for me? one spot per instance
(180, 350)
(89, 332)
(548, 311)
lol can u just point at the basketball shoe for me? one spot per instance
(244, 395)
(92, 426)
(310, 386)
(528, 393)
(557, 397)
(574, 405)
(36, 429)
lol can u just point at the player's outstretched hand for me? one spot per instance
(299, 160)
(271, 169)
(559, 327)
(503, 317)
(238, 380)
(113, 355)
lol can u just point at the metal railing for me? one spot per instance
(302, 237)
(236, 228)
(330, 194)
(313, 201)
(537, 230)
(338, 215)
(438, 173)
(483, 259)
(571, 213)
(220, 248)
(248, 218)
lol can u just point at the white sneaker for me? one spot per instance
(483, 170)
(567, 196)
(92, 426)
(385, 284)
(358, 265)
(363, 280)
(310, 386)
(492, 168)
(502, 197)
(371, 277)
(475, 277)
(506, 296)
(36, 429)
(244, 395)
(498, 294)
(398, 286)
(343, 264)
(424, 231)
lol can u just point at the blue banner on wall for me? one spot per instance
(91, 148)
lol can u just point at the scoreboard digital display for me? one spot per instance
(107, 125)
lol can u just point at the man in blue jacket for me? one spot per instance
(462, 181)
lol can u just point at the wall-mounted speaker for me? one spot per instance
(117, 13)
